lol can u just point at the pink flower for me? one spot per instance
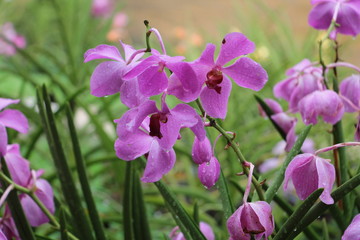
(303, 79)
(102, 8)
(308, 173)
(108, 77)
(353, 230)
(346, 13)
(9, 33)
(156, 135)
(326, 104)
(254, 218)
(214, 86)
(10, 118)
(204, 228)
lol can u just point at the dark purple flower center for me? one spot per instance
(155, 120)
(213, 79)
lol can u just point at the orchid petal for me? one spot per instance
(103, 51)
(14, 119)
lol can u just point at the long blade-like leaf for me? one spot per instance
(228, 207)
(128, 203)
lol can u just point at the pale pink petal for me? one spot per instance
(264, 212)
(19, 168)
(247, 73)
(326, 173)
(107, 79)
(207, 231)
(3, 140)
(234, 45)
(159, 163)
(4, 102)
(133, 146)
(234, 226)
(352, 232)
(14, 119)
(141, 67)
(129, 50)
(350, 88)
(285, 88)
(103, 51)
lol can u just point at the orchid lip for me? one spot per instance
(213, 79)
(154, 125)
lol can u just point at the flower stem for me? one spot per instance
(31, 194)
(236, 149)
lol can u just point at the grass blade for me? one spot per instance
(128, 203)
(228, 207)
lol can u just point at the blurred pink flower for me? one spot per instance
(353, 230)
(102, 8)
(8, 32)
(204, 228)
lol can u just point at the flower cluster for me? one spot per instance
(146, 130)
(21, 174)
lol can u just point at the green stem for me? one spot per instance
(236, 149)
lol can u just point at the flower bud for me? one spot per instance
(201, 151)
(209, 172)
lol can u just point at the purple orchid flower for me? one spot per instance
(205, 228)
(254, 218)
(352, 232)
(346, 14)
(303, 79)
(108, 77)
(7, 226)
(309, 172)
(10, 35)
(327, 104)
(212, 77)
(10, 118)
(18, 166)
(156, 135)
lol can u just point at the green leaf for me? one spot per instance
(22, 225)
(85, 186)
(196, 214)
(272, 190)
(321, 207)
(141, 224)
(63, 230)
(269, 113)
(290, 225)
(228, 207)
(79, 220)
(129, 233)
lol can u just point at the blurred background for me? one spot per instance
(57, 34)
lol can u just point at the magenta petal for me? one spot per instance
(284, 121)
(352, 232)
(291, 137)
(107, 79)
(3, 140)
(349, 18)
(14, 119)
(273, 105)
(207, 56)
(188, 117)
(130, 94)
(298, 161)
(215, 104)
(159, 162)
(186, 75)
(356, 136)
(247, 73)
(103, 51)
(234, 226)
(19, 168)
(209, 172)
(234, 45)
(350, 88)
(133, 145)
(201, 151)
(250, 220)
(2, 236)
(129, 50)
(326, 173)
(4, 102)
(176, 88)
(152, 81)
(284, 88)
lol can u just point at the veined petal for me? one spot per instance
(103, 51)
(207, 56)
(19, 168)
(130, 94)
(133, 146)
(215, 104)
(170, 131)
(321, 15)
(159, 163)
(234, 226)
(349, 18)
(188, 117)
(264, 212)
(234, 45)
(350, 88)
(250, 221)
(14, 119)
(247, 73)
(129, 50)
(107, 78)
(186, 75)
(152, 81)
(4, 102)
(326, 173)
(284, 88)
